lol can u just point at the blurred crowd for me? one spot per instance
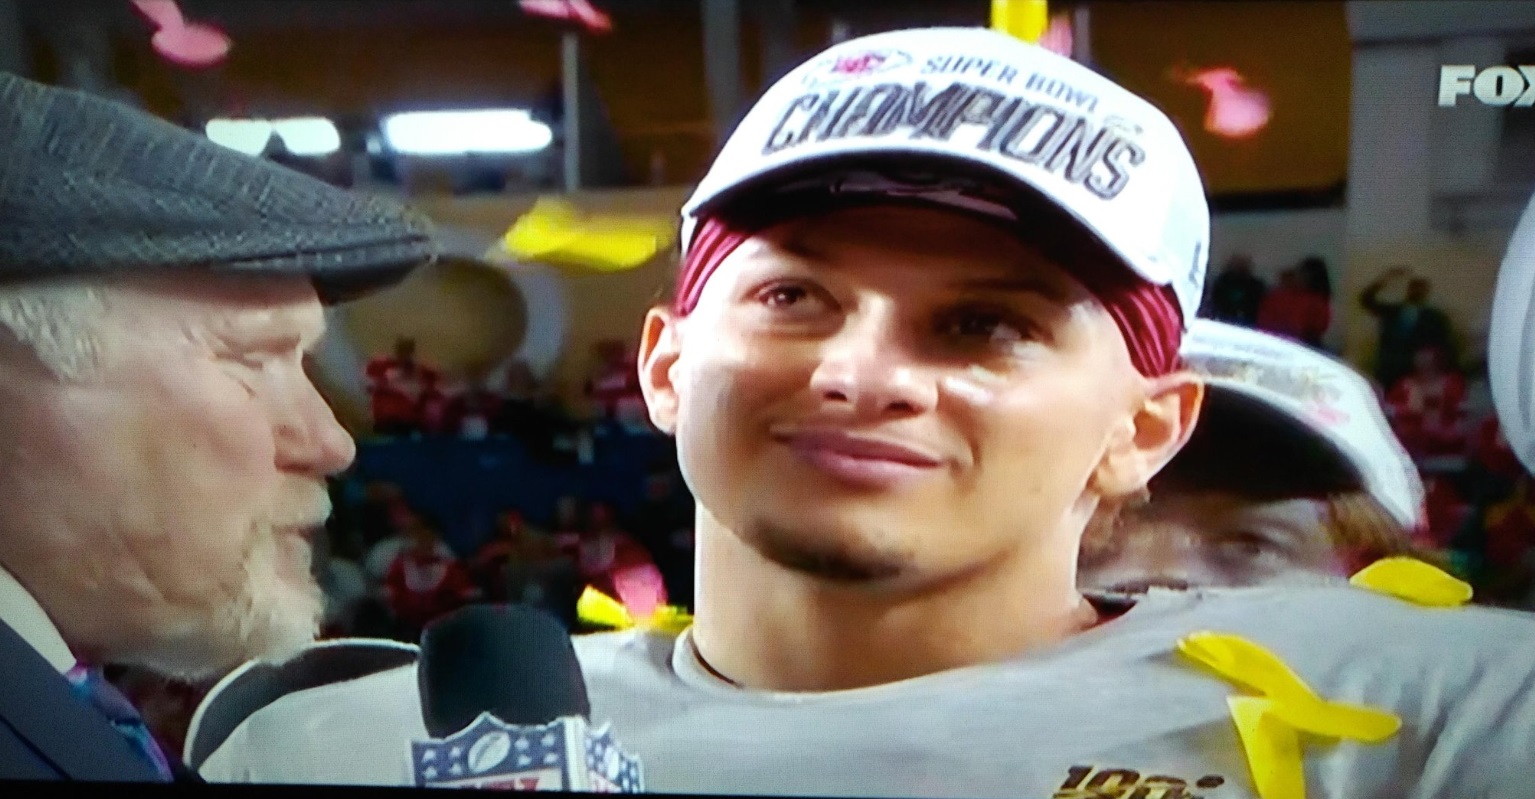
(387, 572)
(410, 398)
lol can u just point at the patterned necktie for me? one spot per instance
(91, 686)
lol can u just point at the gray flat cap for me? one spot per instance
(90, 186)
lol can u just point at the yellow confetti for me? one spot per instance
(1273, 748)
(1414, 581)
(601, 610)
(1270, 723)
(1024, 19)
(669, 619)
(554, 232)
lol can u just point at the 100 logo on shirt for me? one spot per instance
(1090, 782)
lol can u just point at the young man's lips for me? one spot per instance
(860, 459)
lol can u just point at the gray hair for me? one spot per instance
(59, 320)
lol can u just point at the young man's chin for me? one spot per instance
(831, 547)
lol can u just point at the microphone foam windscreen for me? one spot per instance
(513, 661)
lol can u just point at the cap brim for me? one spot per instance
(1010, 189)
(375, 268)
(1235, 414)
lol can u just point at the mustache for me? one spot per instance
(310, 508)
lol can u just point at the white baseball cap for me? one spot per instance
(1320, 395)
(993, 105)
(1511, 342)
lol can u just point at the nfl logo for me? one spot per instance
(490, 754)
(861, 64)
(850, 66)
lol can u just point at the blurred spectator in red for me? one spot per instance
(613, 562)
(524, 566)
(402, 519)
(397, 383)
(435, 406)
(513, 540)
(615, 382)
(1317, 280)
(423, 583)
(472, 414)
(1427, 407)
(1237, 293)
(663, 523)
(1295, 310)
(1445, 512)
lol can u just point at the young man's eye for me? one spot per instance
(990, 325)
(782, 296)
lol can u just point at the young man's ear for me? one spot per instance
(1153, 435)
(659, 348)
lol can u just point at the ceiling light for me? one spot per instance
(308, 135)
(490, 131)
(249, 136)
(304, 136)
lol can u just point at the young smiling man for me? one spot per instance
(927, 326)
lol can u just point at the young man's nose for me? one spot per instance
(871, 366)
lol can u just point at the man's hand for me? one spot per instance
(1368, 298)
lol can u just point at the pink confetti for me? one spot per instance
(1058, 36)
(640, 589)
(1236, 110)
(188, 44)
(579, 11)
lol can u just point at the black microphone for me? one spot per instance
(506, 706)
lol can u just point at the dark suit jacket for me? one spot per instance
(47, 733)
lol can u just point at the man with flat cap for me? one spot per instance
(164, 452)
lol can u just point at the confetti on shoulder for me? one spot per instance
(1413, 580)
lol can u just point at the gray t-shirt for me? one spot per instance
(1114, 708)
